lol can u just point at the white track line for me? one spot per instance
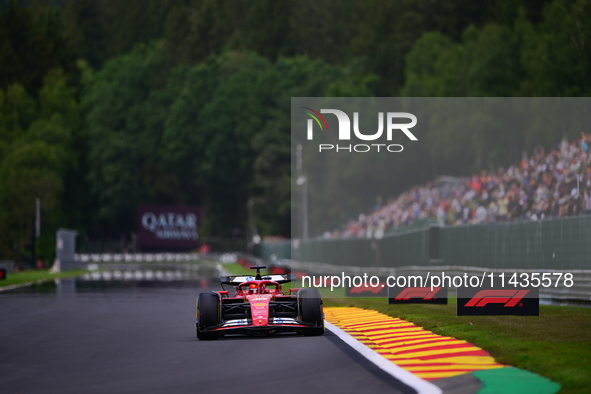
(18, 285)
(408, 378)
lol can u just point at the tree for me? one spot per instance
(123, 144)
(30, 46)
(38, 154)
(556, 52)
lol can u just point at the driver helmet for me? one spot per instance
(254, 289)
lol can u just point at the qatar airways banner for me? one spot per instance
(168, 227)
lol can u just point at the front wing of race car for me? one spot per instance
(275, 325)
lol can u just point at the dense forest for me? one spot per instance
(109, 104)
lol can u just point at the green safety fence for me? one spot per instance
(354, 251)
(281, 249)
(546, 244)
(405, 249)
(411, 248)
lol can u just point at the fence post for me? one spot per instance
(434, 245)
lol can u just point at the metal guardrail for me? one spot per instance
(136, 275)
(136, 257)
(150, 257)
(152, 267)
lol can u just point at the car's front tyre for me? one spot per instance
(208, 315)
(311, 311)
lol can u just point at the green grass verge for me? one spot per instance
(557, 344)
(32, 276)
(237, 269)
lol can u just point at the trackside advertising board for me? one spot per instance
(168, 227)
(379, 289)
(519, 301)
(417, 295)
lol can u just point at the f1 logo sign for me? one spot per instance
(363, 289)
(417, 292)
(418, 295)
(506, 301)
(368, 291)
(509, 298)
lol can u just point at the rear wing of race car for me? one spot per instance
(236, 280)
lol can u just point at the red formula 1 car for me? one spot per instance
(259, 307)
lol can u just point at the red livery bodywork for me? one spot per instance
(259, 306)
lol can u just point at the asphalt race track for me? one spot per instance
(141, 338)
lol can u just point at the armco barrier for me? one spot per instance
(99, 258)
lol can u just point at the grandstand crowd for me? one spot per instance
(551, 184)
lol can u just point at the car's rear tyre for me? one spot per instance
(311, 311)
(208, 312)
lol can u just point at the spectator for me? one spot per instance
(545, 185)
